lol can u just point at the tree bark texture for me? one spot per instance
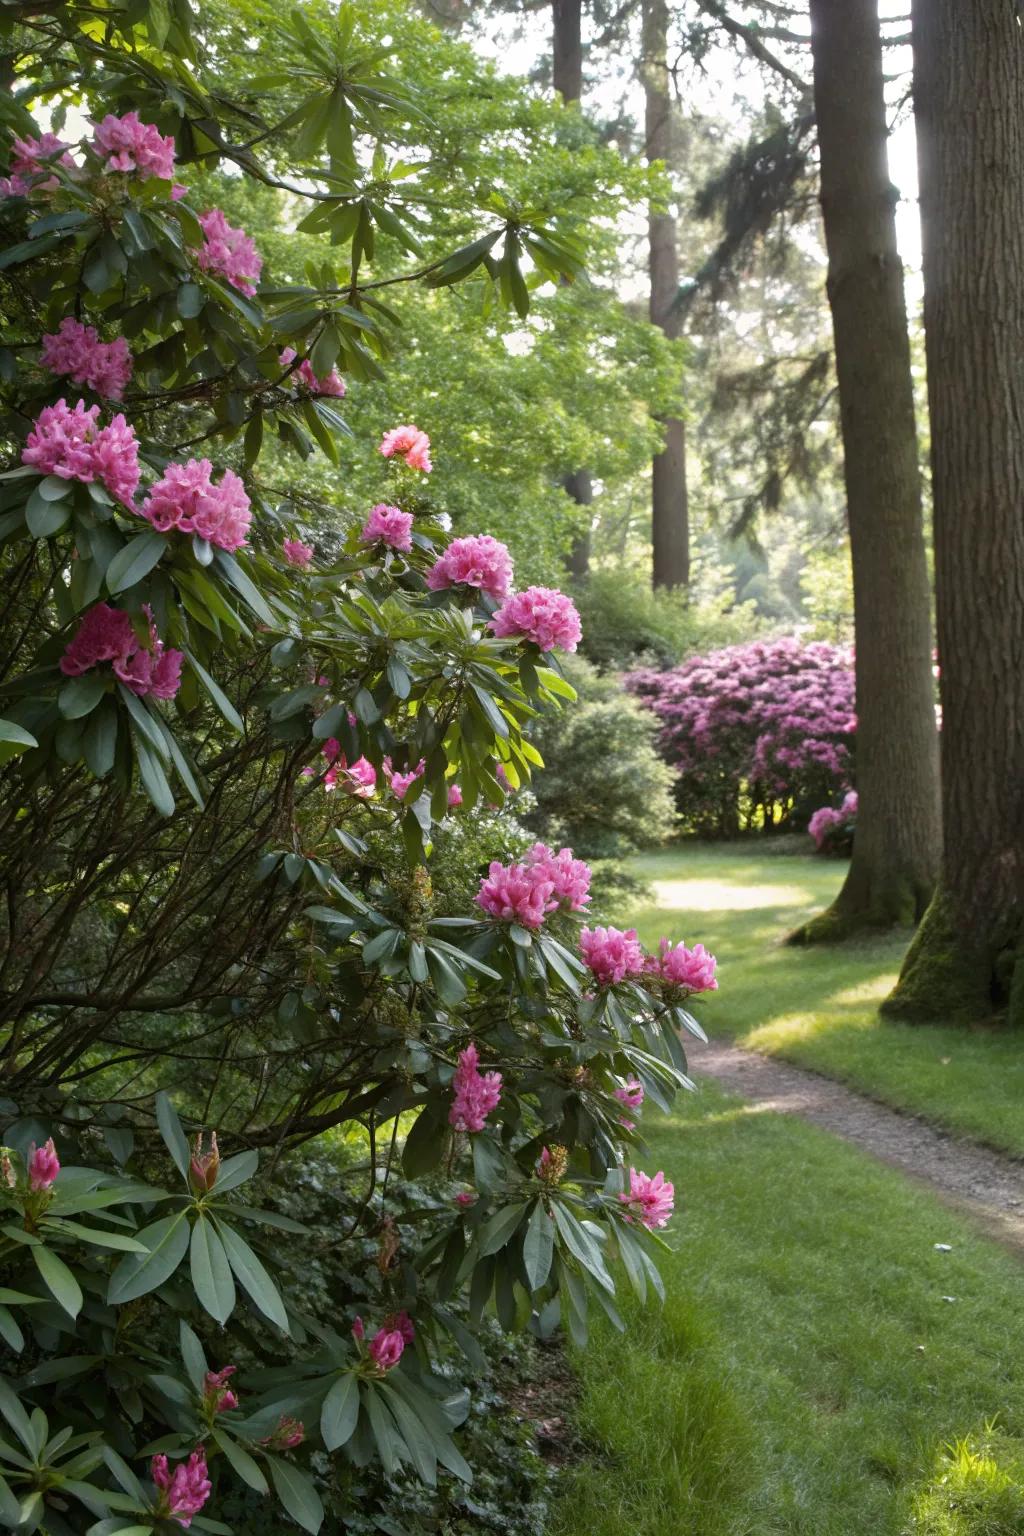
(969, 104)
(898, 842)
(670, 523)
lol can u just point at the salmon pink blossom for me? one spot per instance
(132, 145)
(474, 1093)
(72, 444)
(542, 615)
(410, 444)
(297, 553)
(327, 384)
(651, 1201)
(569, 876)
(229, 252)
(388, 525)
(516, 893)
(181, 1494)
(187, 499)
(43, 1165)
(611, 954)
(693, 969)
(475, 561)
(76, 349)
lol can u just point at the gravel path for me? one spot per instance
(989, 1185)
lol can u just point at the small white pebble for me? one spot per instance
(943, 1247)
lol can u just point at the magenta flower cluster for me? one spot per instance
(187, 499)
(410, 444)
(228, 252)
(475, 561)
(544, 616)
(831, 828)
(127, 144)
(72, 444)
(297, 553)
(650, 1201)
(218, 1397)
(107, 634)
(388, 525)
(612, 954)
(76, 350)
(760, 733)
(327, 384)
(401, 783)
(525, 893)
(183, 1492)
(43, 1166)
(474, 1093)
(691, 969)
(31, 159)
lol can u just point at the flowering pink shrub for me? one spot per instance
(76, 349)
(183, 1492)
(542, 615)
(43, 1165)
(187, 499)
(692, 969)
(611, 954)
(401, 783)
(388, 525)
(72, 444)
(30, 160)
(569, 876)
(107, 634)
(832, 829)
(475, 561)
(650, 1201)
(759, 733)
(474, 1093)
(131, 145)
(297, 553)
(327, 384)
(410, 444)
(517, 893)
(229, 252)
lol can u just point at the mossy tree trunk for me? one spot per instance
(670, 516)
(969, 103)
(898, 843)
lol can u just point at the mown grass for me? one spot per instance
(808, 1368)
(819, 1007)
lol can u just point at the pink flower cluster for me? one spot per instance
(29, 161)
(401, 783)
(359, 780)
(454, 796)
(631, 1093)
(691, 969)
(476, 561)
(759, 733)
(107, 634)
(43, 1166)
(297, 553)
(650, 1201)
(386, 1348)
(474, 1093)
(187, 499)
(327, 384)
(569, 876)
(217, 1395)
(286, 1435)
(831, 829)
(542, 615)
(388, 525)
(516, 893)
(72, 444)
(76, 349)
(229, 252)
(410, 444)
(131, 145)
(612, 954)
(181, 1494)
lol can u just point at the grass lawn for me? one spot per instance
(818, 1007)
(807, 1369)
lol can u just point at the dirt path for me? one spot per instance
(987, 1184)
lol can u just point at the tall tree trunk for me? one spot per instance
(898, 844)
(968, 956)
(567, 72)
(670, 521)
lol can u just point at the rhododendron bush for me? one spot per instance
(227, 754)
(760, 734)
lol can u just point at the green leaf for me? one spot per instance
(10, 1331)
(97, 1235)
(340, 1412)
(253, 1277)
(16, 1416)
(192, 1355)
(58, 1279)
(99, 744)
(211, 1272)
(415, 1436)
(167, 1242)
(297, 1494)
(538, 1247)
(217, 694)
(384, 1434)
(80, 695)
(236, 1171)
(43, 517)
(247, 1469)
(191, 301)
(170, 1129)
(425, 1143)
(154, 779)
(135, 560)
(581, 1245)
(16, 736)
(496, 1232)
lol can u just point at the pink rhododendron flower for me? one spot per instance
(386, 1348)
(43, 1165)
(693, 968)
(474, 1093)
(454, 796)
(466, 1198)
(217, 1395)
(475, 561)
(297, 553)
(516, 893)
(410, 444)
(388, 525)
(183, 1492)
(401, 783)
(131, 145)
(72, 444)
(287, 1434)
(358, 1329)
(650, 1201)
(403, 1323)
(30, 159)
(542, 615)
(327, 384)
(631, 1093)
(611, 954)
(569, 876)
(503, 778)
(204, 1166)
(827, 820)
(187, 499)
(76, 349)
(359, 780)
(107, 634)
(229, 252)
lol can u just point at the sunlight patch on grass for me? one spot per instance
(724, 896)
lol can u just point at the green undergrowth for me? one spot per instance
(815, 1357)
(818, 1007)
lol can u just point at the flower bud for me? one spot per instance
(43, 1165)
(202, 1170)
